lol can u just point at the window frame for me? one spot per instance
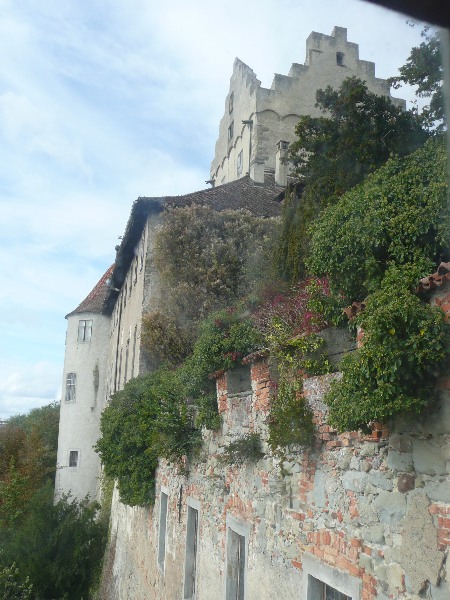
(317, 575)
(240, 163)
(71, 387)
(230, 133)
(191, 549)
(162, 528)
(77, 464)
(84, 330)
(237, 532)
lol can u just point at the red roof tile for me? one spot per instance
(93, 303)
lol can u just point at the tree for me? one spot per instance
(56, 548)
(423, 68)
(357, 134)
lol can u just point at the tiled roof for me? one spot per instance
(260, 199)
(93, 303)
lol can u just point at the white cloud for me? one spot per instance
(25, 387)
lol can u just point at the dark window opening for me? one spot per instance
(340, 58)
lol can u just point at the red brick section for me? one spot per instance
(442, 512)
(221, 388)
(261, 385)
(444, 302)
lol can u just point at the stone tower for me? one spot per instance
(256, 119)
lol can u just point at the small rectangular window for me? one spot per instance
(71, 383)
(85, 330)
(73, 458)
(231, 131)
(239, 163)
(340, 59)
(231, 102)
(190, 564)
(162, 530)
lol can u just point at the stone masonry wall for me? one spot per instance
(366, 514)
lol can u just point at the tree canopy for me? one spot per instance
(357, 134)
(423, 69)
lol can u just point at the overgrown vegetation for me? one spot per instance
(397, 216)
(47, 550)
(246, 449)
(206, 261)
(406, 342)
(149, 418)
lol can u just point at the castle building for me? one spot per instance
(358, 517)
(258, 121)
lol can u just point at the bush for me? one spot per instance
(247, 448)
(207, 259)
(398, 216)
(164, 339)
(394, 372)
(56, 548)
(146, 420)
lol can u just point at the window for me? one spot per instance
(85, 331)
(340, 59)
(73, 458)
(71, 382)
(190, 563)
(239, 163)
(324, 582)
(231, 131)
(162, 530)
(236, 558)
(230, 102)
(239, 380)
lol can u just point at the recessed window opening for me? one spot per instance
(73, 458)
(322, 591)
(239, 163)
(71, 384)
(162, 530)
(190, 563)
(231, 131)
(340, 59)
(239, 380)
(85, 330)
(231, 102)
(235, 575)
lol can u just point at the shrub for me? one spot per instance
(207, 259)
(247, 448)
(398, 216)
(164, 339)
(146, 420)
(405, 345)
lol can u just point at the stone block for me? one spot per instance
(406, 482)
(379, 480)
(369, 449)
(428, 458)
(438, 491)
(419, 555)
(440, 592)
(354, 481)
(402, 443)
(391, 507)
(400, 461)
(319, 494)
(374, 534)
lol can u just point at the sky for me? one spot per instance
(103, 101)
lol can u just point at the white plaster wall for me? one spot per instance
(79, 420)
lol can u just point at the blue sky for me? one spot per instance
(102, 101)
